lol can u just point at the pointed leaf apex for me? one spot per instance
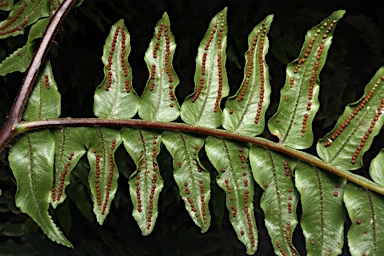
(165, 16)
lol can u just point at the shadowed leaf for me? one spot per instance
(31, 160)
(23, 14)
(45, 100)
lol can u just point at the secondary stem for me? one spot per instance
(15, 115)
(25, 126)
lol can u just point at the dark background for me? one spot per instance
(355, 55)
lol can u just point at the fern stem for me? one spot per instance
(15, 115)
(359, 180)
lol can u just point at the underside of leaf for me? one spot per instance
(115, 97)
(102, 144)
(366, 211)
(31, 160)
(69, 148)
(273, 172)
(145, 184)
(23, 14)
(45, 100)
(355, 129)
(323, 210)
(158, 102)
(211, 83)
(190, 175)
(235, 178)
(244, 112)
(301, 89)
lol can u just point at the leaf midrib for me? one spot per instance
(279, 201)
(321, 195)
(347, 140)
(252, 89)
(161, 72)
(373, 220)
(298, 98)
(31, 180)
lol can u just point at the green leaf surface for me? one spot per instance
(355, 129)
(45, 100)
(301, 89)
(366, 211)
(115, 97)
(102, 144)
(36, 32)
(20, 59)
(244, 112)
(273, 172)
(202, 108)
(323, 214)
(158, 102)
(235, 178)
(376, 170)
(6, 5)
(23, 14)
(190, 175)
(69, 148)
(31, 159)
(145, 183)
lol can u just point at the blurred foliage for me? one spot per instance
(355, 55)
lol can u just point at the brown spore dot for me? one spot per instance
(336, 194)
(358, 221)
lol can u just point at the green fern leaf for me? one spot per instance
(301, 89)
(244, 112)
(115, 97)
(6, 5)
(211, 83)
(69, 148)
(31, 160)
(321, 197)
(45, 100)
(19, 60)
(355, 129)
(102, 144)
(23, 14)
(145, 184)
(366, 211)
(235, 178)
(158, 102)
(273, 172)
(376, 170)
(190, 175)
